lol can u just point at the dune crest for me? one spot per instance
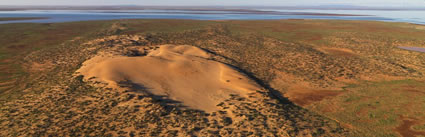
(181, 73)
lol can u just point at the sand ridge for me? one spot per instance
(181, 73)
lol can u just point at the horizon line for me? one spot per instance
(352, 5)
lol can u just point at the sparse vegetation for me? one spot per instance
(379, 84)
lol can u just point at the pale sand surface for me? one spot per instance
(181, 73)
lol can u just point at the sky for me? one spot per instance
(379, 3)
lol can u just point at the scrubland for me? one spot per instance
(319, 78)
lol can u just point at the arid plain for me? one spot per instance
(212, 78)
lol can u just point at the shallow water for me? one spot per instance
(53, 16)
(410, 16)
(418, 49)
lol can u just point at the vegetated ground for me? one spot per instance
(322, 78)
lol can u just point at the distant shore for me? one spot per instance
(200, 8)
(21, 18)
(180, 10)
(236, 12)
(73, 14)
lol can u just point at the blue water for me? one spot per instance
(410, 16)
(417, 17)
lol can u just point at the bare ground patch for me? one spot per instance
(405, 129)
(36, 67)
(411, 89)
(304, 96)
(343, 52)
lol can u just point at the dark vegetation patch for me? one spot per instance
(21, 18)
(17, 47)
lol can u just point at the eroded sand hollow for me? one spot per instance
(182, 73)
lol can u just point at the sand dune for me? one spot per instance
(181, 73)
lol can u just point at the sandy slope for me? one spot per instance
(180, 73)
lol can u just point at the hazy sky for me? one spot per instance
(397, 3)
